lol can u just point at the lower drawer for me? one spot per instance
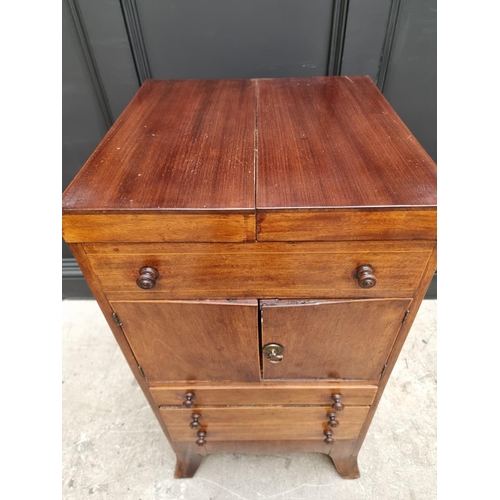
(263, 423)
(249, 394)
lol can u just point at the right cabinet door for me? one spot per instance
(329, 339)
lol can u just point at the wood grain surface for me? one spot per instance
(264, 393)
(427, 275)
(193, 340)
(346, 224)
(178, 145)
(259, 270)
(166, 227)
(257, 423)
(327, 177)
(336, 142)
(331, 339)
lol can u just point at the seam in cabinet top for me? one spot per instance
(245, 147)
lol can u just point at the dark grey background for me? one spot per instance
(111, 46)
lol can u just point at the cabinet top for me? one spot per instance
(242, 145)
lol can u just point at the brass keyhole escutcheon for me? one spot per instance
(273, 352)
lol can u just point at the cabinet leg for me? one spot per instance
(187, 464)
(347, 467)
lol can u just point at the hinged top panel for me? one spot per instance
(179, 145)
(290, 159)
(336, 142)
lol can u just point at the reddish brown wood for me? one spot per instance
(192, 340)
(347, 466)
(341, 184)
(260, 270)
(336, 142)
(263, 393)
(180, 227)
(189, 457)
(331, 339)
(347, 224)
(187, 461)
(427, 275)
(254, 423)
(178, 145)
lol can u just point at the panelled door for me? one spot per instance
(193, 340)
(329, 339)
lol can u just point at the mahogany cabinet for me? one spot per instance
(260, 249)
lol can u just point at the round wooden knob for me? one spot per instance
(188, 400)
(328, 439)
(337, 402)
(201, 438)
(194, 424)
(147, 278)
(366, 278)
(332, 420)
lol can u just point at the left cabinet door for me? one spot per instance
(193, 340)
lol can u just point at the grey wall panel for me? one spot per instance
(365, 35)
(411, 79)
(111, 48)
(83, 124)
(236, 38)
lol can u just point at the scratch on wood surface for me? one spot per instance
(349, 79)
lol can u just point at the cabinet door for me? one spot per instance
(334, 339)
(193, 340)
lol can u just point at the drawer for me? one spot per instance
(264, 394)
(264, 423)
(259, 269)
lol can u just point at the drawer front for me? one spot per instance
(259, 270)
(264, 394)
(264, 423)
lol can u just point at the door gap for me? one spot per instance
(260, 342)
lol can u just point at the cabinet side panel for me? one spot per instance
(400, 340)
(96, 290)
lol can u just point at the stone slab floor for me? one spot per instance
(113, 447)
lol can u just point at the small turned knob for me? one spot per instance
(188, 400)
(332, 420)
(366, 278)
(194, 424)
(337, 402)
(147, 277)
(328, 439)
(201, 438)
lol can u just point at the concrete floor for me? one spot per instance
(113, 446)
